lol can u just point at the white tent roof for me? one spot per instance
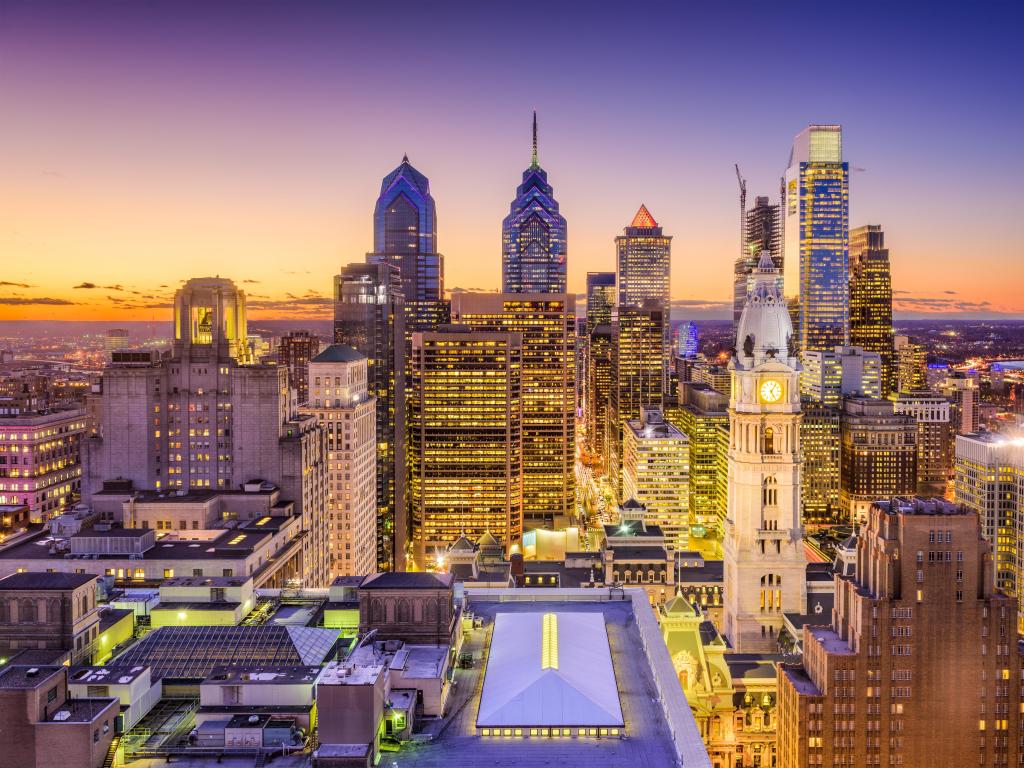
(572, 684)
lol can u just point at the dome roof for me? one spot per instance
(765, 327)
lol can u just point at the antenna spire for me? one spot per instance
(533, 161)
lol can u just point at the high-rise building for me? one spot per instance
(965, 396)
(831, 375)
(465, 439)
(116, 338)
(703, 417)
(369, 315)
(644, 270)
(600, 299)
(764, 549)
(931, 414)
(819, 449)
(638, 355)
(871, 299)
(990, 481)
(547, 325)
(689, 341)
(41, 460)
(656, 472)
(887, 682)
(911, 365)
(878, 451)
(339, 398)
(598, 391)
(816, 236)
(762, 231)
(533, 235)
(294, 351)
(405, 235)
(206, 418)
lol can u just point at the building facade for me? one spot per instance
(817, 223)
(703, 416)
(871, 299)
(598, 391)
(831, 375)
(546, 323)
(819, 450)
(656, 472)
(763, 545)
(931, 414)
(885, 683)
(340, 399)
(294, 351)
(369, 315)
(911, 365)
(465, 439)
(601, 299)
(533, 235)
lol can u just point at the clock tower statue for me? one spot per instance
(765, 566)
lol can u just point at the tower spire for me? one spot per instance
(533, 160)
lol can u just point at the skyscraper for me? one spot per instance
(294, 351)
(207, 418)
(830, 375)
(644, 268)
(656, 472)
(405, 235)
(920, 665)
(911, 365)
(764, 549)
(546, 323)
(339, 398)
(931, 414)
(534, 235)
(598, 391)
(704, 418)
(600, 299)
(369, 315)
(638, 354)
(689, 341)
(817, 216)
(465, 439)
(762, 231)
(819, 452)
(871, 299)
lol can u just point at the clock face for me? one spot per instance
(771, 391)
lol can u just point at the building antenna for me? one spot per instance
(533, 162)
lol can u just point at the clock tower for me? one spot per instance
(765, 566)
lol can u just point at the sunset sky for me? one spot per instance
(143, 143)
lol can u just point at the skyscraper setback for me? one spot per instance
(534, 235)
(816, 236)
(871, 299)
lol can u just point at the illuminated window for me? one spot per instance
(549, 642)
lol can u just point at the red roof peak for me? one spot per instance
(643, 218)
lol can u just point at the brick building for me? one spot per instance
(49, 611)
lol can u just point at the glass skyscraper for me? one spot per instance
(533, 240)
(871, 299)
(817, 222)
(405, 235)
(600, 299)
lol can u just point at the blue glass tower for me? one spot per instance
(533, 235)
(405, 235)
(688, 340)
(817, 225)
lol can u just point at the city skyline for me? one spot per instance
(123, 178)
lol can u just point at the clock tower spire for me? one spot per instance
(765, 566)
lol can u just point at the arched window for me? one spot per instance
(770, 491)
(377, 611)
(769, 441)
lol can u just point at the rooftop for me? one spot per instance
(32, 580)
(831, 641)
(339, 353)
(24, 676)
(105, 675)
(263, 675)
(407, 580)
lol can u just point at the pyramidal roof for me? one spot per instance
(339, 353)
(643, 218)
(406, 172)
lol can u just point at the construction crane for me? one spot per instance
(743, 211)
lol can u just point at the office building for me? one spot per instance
(703, 371)
(831, 375)
(819, 449)
(339, 397)
(703, 416)
(116, 339)
(816, 211)
(465, 439)
(989, 471)
(931, 414)
(656, 473)
(405, 236)
(764, 549)
(204, 417)
(911, 365)
(546, 323)
(920, 665)
(598, 391)
(637, 376)
(294, 351)
(689, 341)
(762, 231)
(601, 297)
(369, 315)
(871, 299)
(41, 460)
(52, 611)
(878, 451)
(533, 235)
(965, 397)
(644, 264)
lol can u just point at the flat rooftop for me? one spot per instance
(105, 675)
(830, 640)
(263, 676)
(24, 676)
(32, 580)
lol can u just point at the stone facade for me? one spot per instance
(412, 607)
(49, 611)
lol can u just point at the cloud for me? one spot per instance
(8, 284)
(292, 303)
(951, 293)
(247, 281)
(29, 300)
(86, 285)
(115, 287)
(700, 304)
(939, 304)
